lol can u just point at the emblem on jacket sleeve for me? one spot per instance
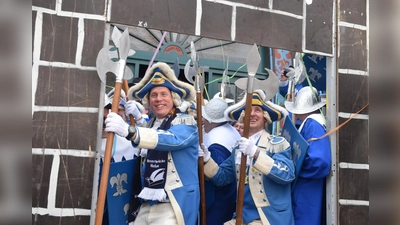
(117, 181)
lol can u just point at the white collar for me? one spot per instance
(157, 123)
(317, 117)
(256, 136)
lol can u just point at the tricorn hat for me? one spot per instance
(161, 75)
(274, 111)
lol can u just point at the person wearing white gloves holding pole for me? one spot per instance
(166, 180)
(270, 169)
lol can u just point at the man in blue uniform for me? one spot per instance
(168, 183)
(308, 194)
(219, 139)
(270, 169)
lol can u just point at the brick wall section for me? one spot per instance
(66, 37)
(278, 24)
(353, 85)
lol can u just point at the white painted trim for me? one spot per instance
(55, 167)
(36, 108)
(316, 52)
(353, 202)
(65, 65)
(280, 13)
(224, 2)
(58, 5)
(199, 13)
(37, 45)
(353, 72)
(358, 116)
(43, 10)
(61, 212)
(367, 32)
(64, 152)
(303, 27)
(358, 166)
(352, 25)
(334, 20)
(107, 10)
(233, 24)
(59, 12)
(80, 42)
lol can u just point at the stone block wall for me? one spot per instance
(352, 87)
(66, 37)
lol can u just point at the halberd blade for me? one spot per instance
(270, 86)
(104, 64)
(253, 60)
(190, 72)
(124, 45)
(115, 36)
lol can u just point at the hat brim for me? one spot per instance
(275, 112)
(161, 75)
(290, 107)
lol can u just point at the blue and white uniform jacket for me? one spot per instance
(220, 200)
(308, 195)
(267, 192)
(182, 181)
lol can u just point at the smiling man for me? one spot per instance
(168, 183)
(269, 166)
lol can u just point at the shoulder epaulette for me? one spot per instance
(182, 118)
(278, 144)
(277, 140)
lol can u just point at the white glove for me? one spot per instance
(115, 123)
(247, 147)
(132, 109)
(203, 152)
